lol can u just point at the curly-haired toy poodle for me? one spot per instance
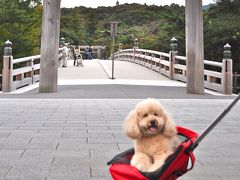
(154, 134)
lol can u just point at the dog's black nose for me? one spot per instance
(152, 122)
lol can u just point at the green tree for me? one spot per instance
(221, 26)
(91, 23)
(20, 23)
(154, 26)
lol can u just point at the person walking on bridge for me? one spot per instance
(76, 54)
(65, 54)
(86, 53)
(90, 53)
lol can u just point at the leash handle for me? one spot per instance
(215, 122)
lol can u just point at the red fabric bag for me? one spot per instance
(174, 166)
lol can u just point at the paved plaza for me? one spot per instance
(71, 134)
(71, 139)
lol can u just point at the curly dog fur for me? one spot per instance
(154, 134)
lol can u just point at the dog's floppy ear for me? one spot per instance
(131, 127)
(169, 127)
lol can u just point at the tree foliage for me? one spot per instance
(20, 23)
(221, 26)
(153, 26)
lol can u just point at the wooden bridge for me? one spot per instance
(25, 71)
(173, 66)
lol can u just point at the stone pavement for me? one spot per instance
(71, 134)
(68, 139)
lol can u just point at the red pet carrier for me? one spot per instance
(175, 165)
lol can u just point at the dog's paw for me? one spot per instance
(142, 162)
(141, 167)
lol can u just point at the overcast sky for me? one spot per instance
(96, 3)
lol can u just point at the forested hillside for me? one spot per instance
(154, 26)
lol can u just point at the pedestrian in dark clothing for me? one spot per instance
(86, 53)
(74, 58)
(90, 53)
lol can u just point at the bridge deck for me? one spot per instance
(63, 136)
(101, 69)
(90, 70)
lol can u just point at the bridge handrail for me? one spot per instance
(213, 63)
(147, 51)
(174, 66)
(183, 58)
(25, 74)
(207, 62)
(153, 52)
(25, 59)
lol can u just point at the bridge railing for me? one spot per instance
(212, 78)
(96, 50)
(20, 72)
(217, 75)
(25, 71)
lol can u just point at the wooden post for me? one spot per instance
(99, 52)
(7, 79)
(135, 46)
(194, 46)
(119, 50)
(49, 46)
(114, 34)
(172, 57)
(227, 80)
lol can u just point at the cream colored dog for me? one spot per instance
(154, 134)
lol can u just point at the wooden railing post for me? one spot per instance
(7, 79)
(99, 53)
(62, 42)
(135, 46)
(227, 85)
(32, 73)
(172, 57)
(119, 51)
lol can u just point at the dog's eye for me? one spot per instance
(155, 114)
(145, 115)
